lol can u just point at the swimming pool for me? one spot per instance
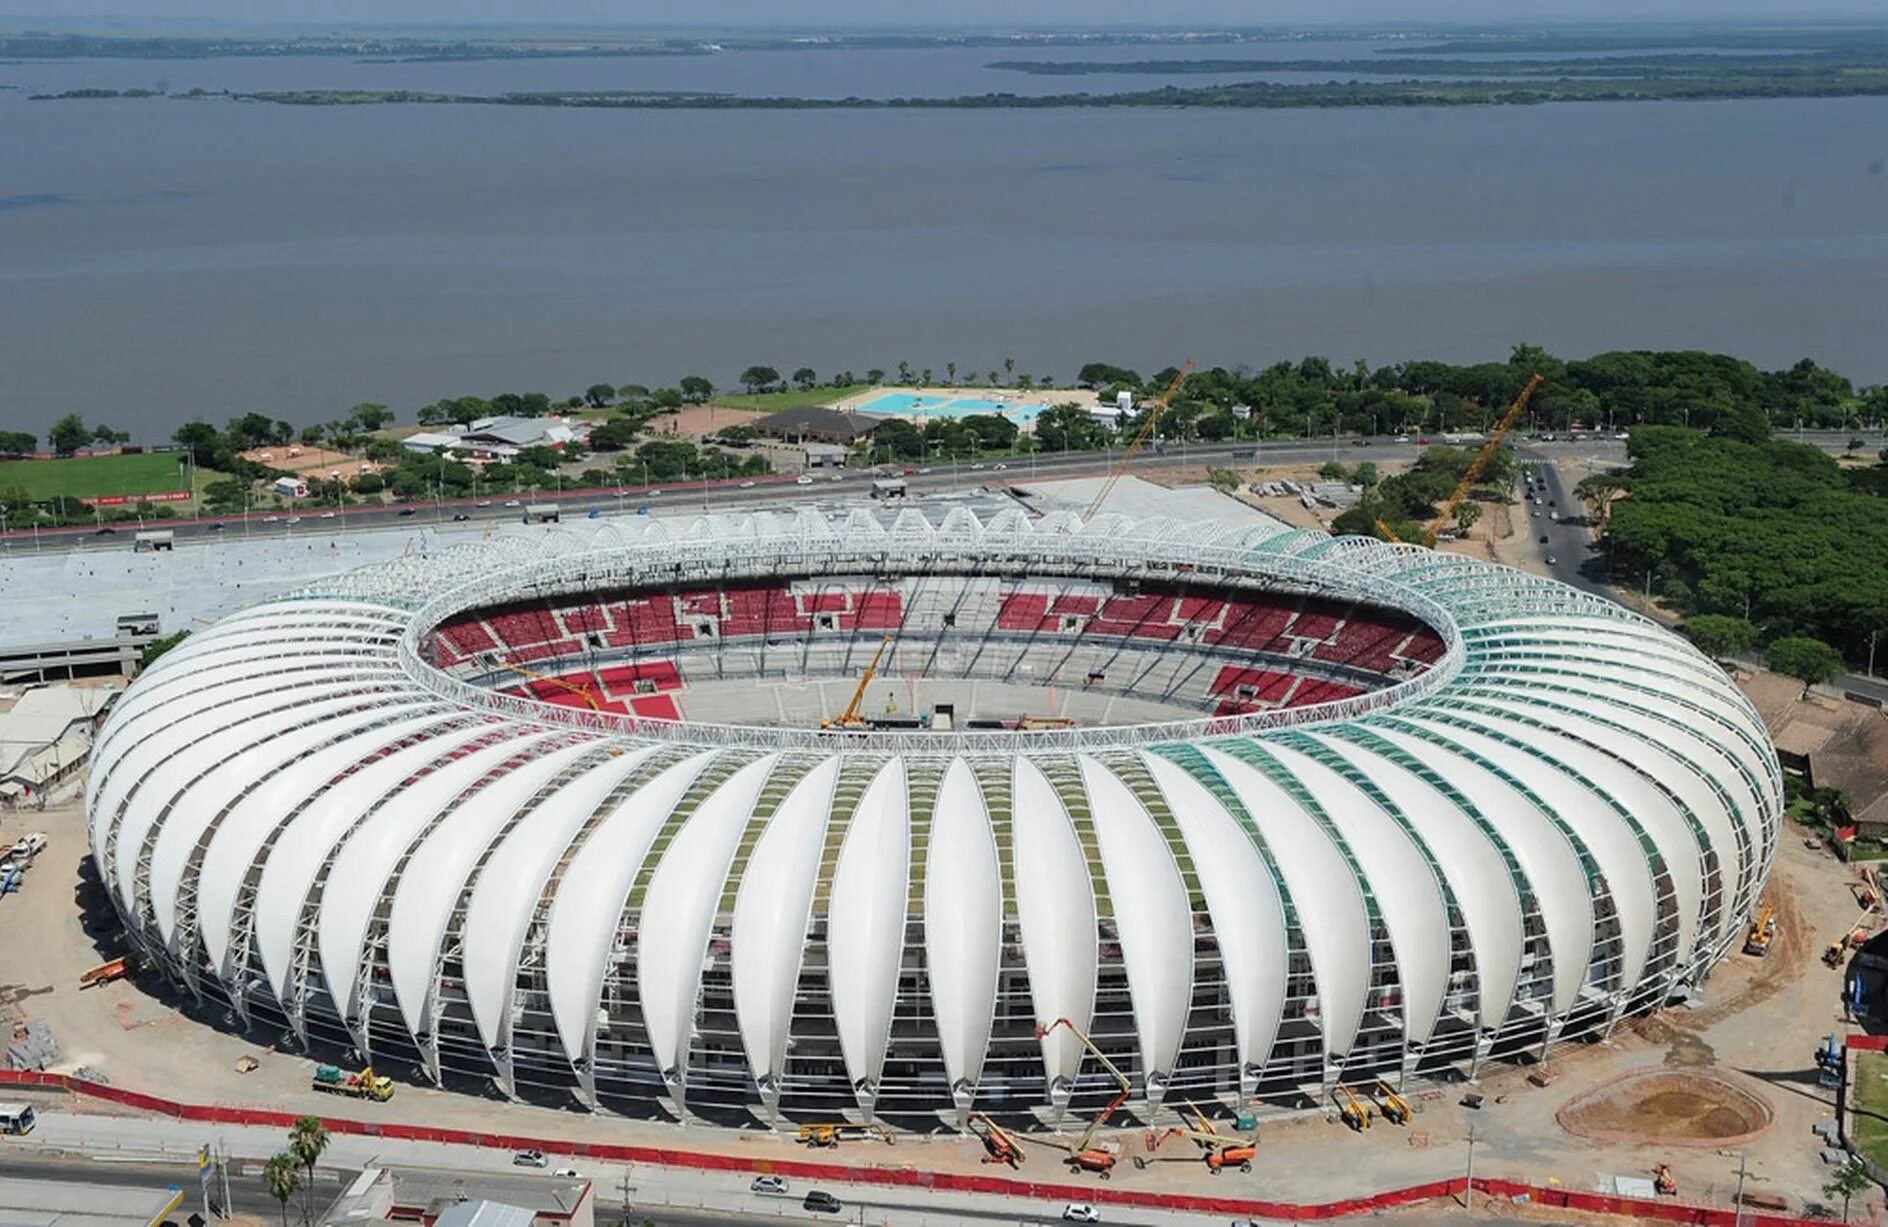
(910, 404)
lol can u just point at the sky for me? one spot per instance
(749, 14)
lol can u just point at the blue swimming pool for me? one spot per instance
(910, 404)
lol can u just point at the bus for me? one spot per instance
(16, 1119)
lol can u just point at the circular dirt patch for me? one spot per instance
(1685, 1108)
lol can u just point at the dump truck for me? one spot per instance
(364, 1085)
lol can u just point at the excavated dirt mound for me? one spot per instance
(1685, 1108)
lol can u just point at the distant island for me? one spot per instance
(1650, 64)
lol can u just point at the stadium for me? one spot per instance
(797, 815)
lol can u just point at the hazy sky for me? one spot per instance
(1001, 13)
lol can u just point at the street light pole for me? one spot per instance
(1468, 1183)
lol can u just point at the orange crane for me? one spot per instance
(1083, 1156)
(582, 692)
(1474, 471)
(1140, 437)
(999, 1144)
(850, 718)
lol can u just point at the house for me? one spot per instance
(46, 735)
(818, 424)
(291, 487)
(825, 455)
(463, 1199)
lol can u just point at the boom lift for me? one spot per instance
(1140, 437)
(850, 718)
(1222, 1150)
(1474, 471)
(999, 1144)
(1083, 1156)
(831, 1133)
(1394, 1107)
(1356, 1114)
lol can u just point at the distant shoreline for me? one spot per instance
(1241, 96)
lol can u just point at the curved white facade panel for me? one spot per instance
(1558, 816)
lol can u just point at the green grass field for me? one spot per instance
(1871, 1104)
(774, 402)
(92, 476)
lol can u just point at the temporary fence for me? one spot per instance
(1666, 1210)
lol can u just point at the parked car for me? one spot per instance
(31, 845)
(768, 1184)
(1543, 540)
(568, 1173)
(1551, 560)
(1080, 1212)
(821, 1202)
(530, 1158)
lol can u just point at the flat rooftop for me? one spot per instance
(67, 1203)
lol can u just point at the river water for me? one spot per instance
(161, 259)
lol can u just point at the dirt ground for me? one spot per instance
(1758, 1020)
(312, 461)
(700, 421)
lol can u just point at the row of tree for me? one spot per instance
(1759, 543)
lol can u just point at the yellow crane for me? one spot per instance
(1356, 1113)
(1140, 437)
(1474, 471)
(850, 718)
(1394, 1107)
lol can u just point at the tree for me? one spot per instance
(613, 435)
(1719, 636)
(904, 371)
(157, 647)
(307, 1139)
(108, 436)
(875, 376)
(1845, 1182)
(201, 440)
(597, 395)
(1466, 513)
(368, 483)
(280, 1177)
(1810, 661)
(805, 377)
(68, 435)
(312, 435)
(17, 443)
(367, 417)
(695, 389)
(759, 378)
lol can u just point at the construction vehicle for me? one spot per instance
(1832, 957)
(1474, 471)
(850, 718)
(1394, 1107)
(364, 1085)
(1037, 724)
(1663, 1182)
(1222, 1150)
(831, 1133)
(1140, 438)
(1762, 929)
(105, 973)
(1356, 1114)
(582, 692)
(999, 1144)
(1083, 1155)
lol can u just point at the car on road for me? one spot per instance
(512, 502)
(1535, 513)
(977, 465)
(1080, 1212)
(484, 502)
(216, 527)
(922, 472)
(460, 517)
(270, 519)
(837, 477)
(106, 532)
(747, 485)
(1543, 539)
(803, 480)
(568, 1173)
(329, 515)
(294, 519)
(1551, 560)
(1423, 442)
(530, 1158)
(409, 511)
(821, 1202)
(768, 1184)
(1000, 467)
(653, 493)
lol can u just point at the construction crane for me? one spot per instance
(1474, 470)
(850, 718)
(582, 692)
(999, 1144)
(1082, 1155)
(1140, 437)
(1354, 1112)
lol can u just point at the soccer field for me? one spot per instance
(93, 476)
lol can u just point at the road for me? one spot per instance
(933, 478)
